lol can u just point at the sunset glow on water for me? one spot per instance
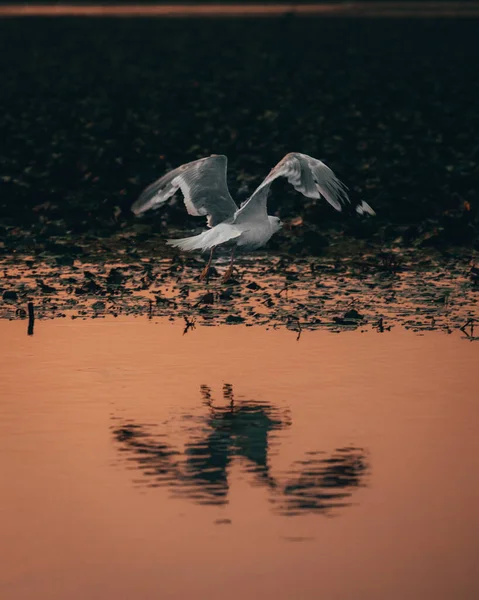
(236, 460)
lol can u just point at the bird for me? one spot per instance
(247, 227)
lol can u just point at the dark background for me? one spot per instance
(91, 111)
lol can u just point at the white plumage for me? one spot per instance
(205, 191)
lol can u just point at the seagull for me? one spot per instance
(249, 227)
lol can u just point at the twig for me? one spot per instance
(189, 324)
(284, 289)
(469, 323)
(300, 329)
(31, 318)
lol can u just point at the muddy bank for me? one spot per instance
(120, 276)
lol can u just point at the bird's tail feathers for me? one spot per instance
(194, 242)
(207, 239)
(363, 208)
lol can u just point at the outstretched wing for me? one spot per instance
(309, 176)
(204, 187)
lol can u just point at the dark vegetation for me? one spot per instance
(91, 111)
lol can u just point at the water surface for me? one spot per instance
(234, 461)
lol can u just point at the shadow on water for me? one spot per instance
(243, 431)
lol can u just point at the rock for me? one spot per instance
(160, 300)
(10, 296)
(341, 321)
(227, 294)
(64, 261)
(90, 287)
(234, 319)
(208, 298)
(115, 277)
(352, 314)
(233, 282)
(45, 288)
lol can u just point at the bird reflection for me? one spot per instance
(322, 483)
(240, 430)
(236, 430)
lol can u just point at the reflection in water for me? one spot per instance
(320, 484)
(241, 430)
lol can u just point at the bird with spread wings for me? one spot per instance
(205, 191)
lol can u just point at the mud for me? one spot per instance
(125, 275)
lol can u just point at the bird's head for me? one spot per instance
(275, 223)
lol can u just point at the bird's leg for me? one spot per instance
(229, 270)
(206, 271)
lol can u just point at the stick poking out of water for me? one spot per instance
(31, 318)
(189, 324)
(469, 323)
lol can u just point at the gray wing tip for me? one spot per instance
(141, 204)
(217, 156)
(136, 209)
(363, 208)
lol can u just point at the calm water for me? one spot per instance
(235, 461)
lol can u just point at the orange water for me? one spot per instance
(138, 462)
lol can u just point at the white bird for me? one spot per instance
(205, 191)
